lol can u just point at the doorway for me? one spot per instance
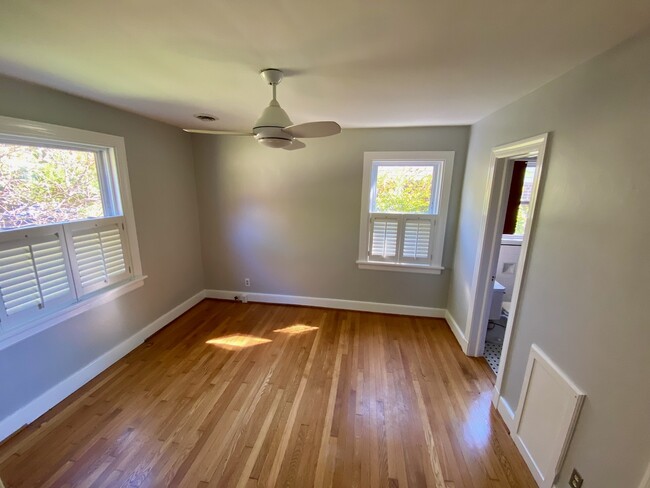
(484, 303)
(521, 177)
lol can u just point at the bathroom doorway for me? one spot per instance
(484, 303)
(522, 176)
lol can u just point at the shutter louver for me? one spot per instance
(384, 238)
(113, 252)
(33, 274)
(51, 270)
(18, 280)
(99, 256)
(90, 261)
(417, 237)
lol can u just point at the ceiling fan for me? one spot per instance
(274, 127)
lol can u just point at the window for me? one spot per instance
(521, 187)
(67, 234)
(404, 210)
(524, 202)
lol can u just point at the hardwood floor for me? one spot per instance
(243, 395)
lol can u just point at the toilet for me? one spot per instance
(498, 293)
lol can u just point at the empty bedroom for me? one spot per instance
(324, 244)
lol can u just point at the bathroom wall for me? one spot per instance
(507, 266)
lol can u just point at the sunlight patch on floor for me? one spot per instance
(235, 342)
(296, 329)
(477, 427)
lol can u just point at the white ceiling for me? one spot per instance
(367, 63)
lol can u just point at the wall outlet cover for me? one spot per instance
(575, 481)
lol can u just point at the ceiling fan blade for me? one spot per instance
(295, 144)
(313, 129)
(218, 132)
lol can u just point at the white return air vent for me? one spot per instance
(547, 412)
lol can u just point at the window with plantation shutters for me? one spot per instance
(67, 233)
(404, 210)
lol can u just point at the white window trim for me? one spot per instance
(40, 133)
(447, 157)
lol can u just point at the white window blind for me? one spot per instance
(34, 273)
(98, 252)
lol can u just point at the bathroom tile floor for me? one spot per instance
(492, 355)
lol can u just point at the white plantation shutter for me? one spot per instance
(34, 274)
(383, 238)
(416, 245)
(401, 238)
(18, 281)
(98, 252)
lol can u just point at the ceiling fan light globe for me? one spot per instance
(274, 143)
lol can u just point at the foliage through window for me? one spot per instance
(403, 189)
(402, 222)
(46, 185)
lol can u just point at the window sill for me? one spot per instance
(35, 326)
(511, 240)
(404, 268)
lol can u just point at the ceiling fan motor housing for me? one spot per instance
(268, 128)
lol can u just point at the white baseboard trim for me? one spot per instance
(330, 303)
(506, 412)
(458, 332)
(57, 393)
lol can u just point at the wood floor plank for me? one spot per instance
(258, 395)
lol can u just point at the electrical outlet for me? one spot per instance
(576, 480)
(247, 282)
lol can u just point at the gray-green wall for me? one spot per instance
(587, 284)
(289, 220)
(164, 200)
